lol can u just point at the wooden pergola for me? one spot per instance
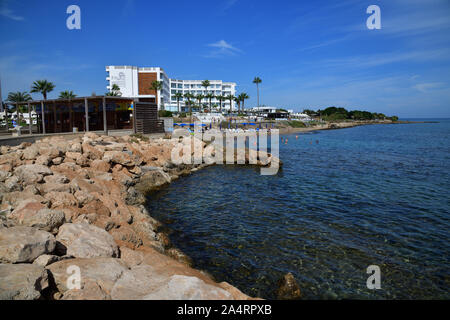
(66, 113)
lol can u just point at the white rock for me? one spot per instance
(86, 241)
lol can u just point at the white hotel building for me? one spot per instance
(135, 82)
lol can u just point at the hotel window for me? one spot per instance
(173, 85)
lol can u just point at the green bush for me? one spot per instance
(297, 124)
(165, 114)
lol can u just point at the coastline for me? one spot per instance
(94, 187)
(79, 202)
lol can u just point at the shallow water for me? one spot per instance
(344, 200)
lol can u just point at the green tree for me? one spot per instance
(157, 86)
(178, 96)
(199, 98)
(189, 97)
(221, 98)
(209, 96)
(43, 87)
(231, 98)
(112, 94)
(238, 101)
(257, 81)
(18, 97)
(67, 94)
(242, 97)
(206, 84)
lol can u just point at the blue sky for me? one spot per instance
(309, 54)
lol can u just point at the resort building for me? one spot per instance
(135, 82)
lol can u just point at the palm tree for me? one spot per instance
(67, 95)
(199, 98)
(221, 98)
(189, 96)
(257, 81)
(157, 86)
(42, 86)
(242, 98)
(231, 98)
(210, 96)
(178, 96)
(112, 94)
(115, 90)
(238, 101)
(18, 97)
(206, 84)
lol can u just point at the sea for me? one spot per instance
(343, 201)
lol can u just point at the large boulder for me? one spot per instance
(22, 281)
(119, 157)
(31, 153)
(152, 180)
(179, 287)
(98, 277)
(91, 152)
(44, 218)
(61, 199)
(24, 244)
(32, 173)
(86, 241)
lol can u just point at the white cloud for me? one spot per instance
(425, 87)
(8, 13)
(222, 48)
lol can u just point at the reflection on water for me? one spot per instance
(353, 198)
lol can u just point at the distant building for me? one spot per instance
(135, 82)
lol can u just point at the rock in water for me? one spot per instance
(288, 288)
(22, 281)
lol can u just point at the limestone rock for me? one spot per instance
(179, 287)
(152, 179)
(100, 165)
(119, 157)
(288, 288)
(59, 199)
(32, 173)
(24, 244)
(22, 281)
(100, 270)
(44, 219)
(86, 241)
(46, 259)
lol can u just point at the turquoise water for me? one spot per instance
(344, 200)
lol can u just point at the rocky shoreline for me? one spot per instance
(78, 203)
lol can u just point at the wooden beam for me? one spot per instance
(54, 117)
(29, 118)
(86, 112)
(43, 117)
(70, 117)
(134, 117)
(105, 124)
